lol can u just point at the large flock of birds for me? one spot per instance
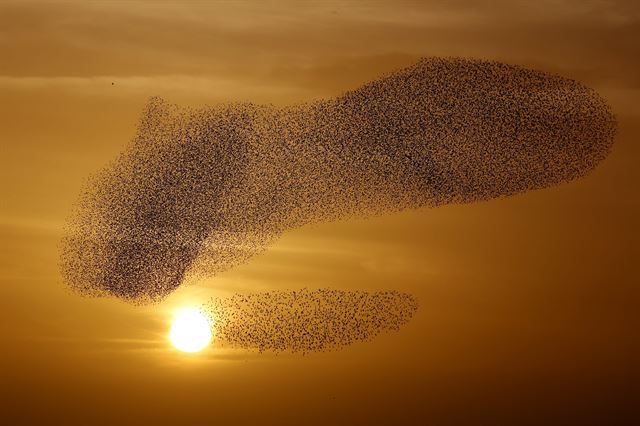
(198, 191)
(306, 320)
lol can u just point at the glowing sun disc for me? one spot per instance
(190, 331)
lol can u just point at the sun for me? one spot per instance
(190, 330)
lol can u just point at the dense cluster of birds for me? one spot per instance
(198, 191)
(306, 320)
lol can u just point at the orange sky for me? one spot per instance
(528, 305)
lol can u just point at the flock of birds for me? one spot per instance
(306, 320)
(198, 191)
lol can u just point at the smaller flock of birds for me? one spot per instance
(307, 320)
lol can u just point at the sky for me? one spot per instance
(528, 304)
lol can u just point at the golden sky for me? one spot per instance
(528, 305)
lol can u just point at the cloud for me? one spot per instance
(250, 41)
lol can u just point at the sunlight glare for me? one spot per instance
(190, 330)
